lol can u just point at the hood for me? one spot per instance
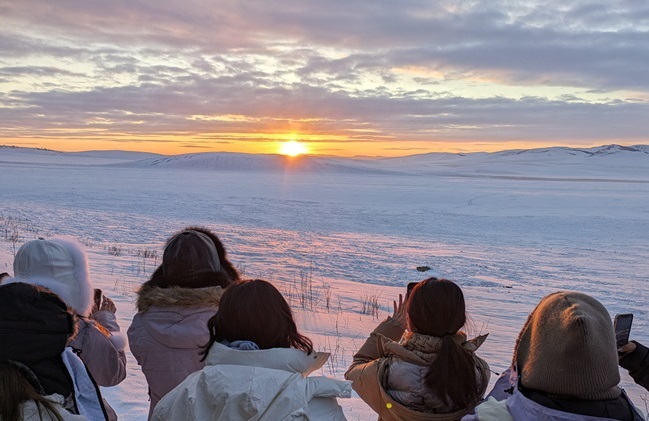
(176, 317)
(286, 359)
(150, 296)
(267, 385)
(59, 264)
(388, 347)
(34, 323)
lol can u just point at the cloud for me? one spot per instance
(570, 70)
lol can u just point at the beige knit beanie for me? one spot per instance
(567, 348)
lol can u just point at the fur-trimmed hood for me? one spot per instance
(59, 264)
(150, 296)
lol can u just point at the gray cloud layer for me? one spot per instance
(473, 71)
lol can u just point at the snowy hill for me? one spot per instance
(116, 154)
(337, 235)
(607, 162)
(228, 161)
(9, 154)
(602, 162)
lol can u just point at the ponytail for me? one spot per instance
(205, 349)
(436, 308)
(452, 375)
(18, 384)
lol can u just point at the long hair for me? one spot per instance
(436, 307)
(17, 386)
(255, 311)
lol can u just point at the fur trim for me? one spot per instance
(79, 297)
(119, 340)
(150, 296)
(82, 299)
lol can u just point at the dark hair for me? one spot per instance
(4, 275)
(186, 273)
(255, 310)
(436, 307)
(18, 385)
(32, 314)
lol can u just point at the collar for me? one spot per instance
(286, 359)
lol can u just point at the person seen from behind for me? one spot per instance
(418, 364)
(174, 307)
(565, 367)
(41, 379)
(60, 264)
(257, 366)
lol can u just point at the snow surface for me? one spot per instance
(334, 234)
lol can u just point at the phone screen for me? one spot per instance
(623, 328)
(409, 288)
(97, 297)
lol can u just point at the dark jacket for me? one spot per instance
(637, 362)
(34, 330)
(35, 326)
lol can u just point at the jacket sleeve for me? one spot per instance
(30, 411)
(102, 351)
(637, 362)
(490, 410)
(364, 371)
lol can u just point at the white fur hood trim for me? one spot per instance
(78, 294)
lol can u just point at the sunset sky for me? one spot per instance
(344, 77)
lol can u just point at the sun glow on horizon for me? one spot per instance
(293, 148)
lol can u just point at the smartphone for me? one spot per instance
(622, 328)
(98, 297)
(409, 288)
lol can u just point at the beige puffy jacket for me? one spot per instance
(383, 368)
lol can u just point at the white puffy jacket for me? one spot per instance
(259, 385)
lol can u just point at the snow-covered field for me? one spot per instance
(336, 235)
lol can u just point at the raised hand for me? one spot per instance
(108, 304)
(399, 314)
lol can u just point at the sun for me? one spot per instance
(292, 148)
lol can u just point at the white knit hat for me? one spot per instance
(60, 265)
(567, 348)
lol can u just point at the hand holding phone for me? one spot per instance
(108, 305)
(399, 314)
(409, 288)
(622, 326)
(98, 295)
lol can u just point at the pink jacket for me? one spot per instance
(102, 347)
(166, 334)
